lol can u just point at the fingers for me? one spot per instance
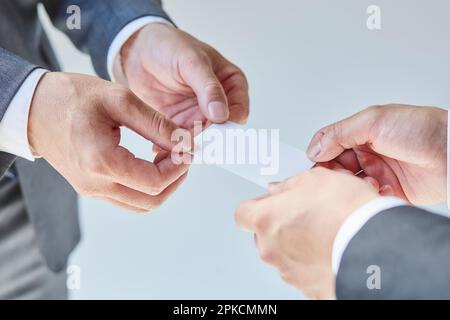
(387, 190)
(123, 205)
(373, 182)
(141, 175)
(337, 166)
(332, 140)
(349, 160)
(197, 70)
(246, 214)
(128, 110)
(236, 88)
(254, 215)
(136, 201)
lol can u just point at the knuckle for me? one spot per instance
(148, 209)
(123, 98)
(242, 211)
(262, 223)
(157, 187)
(268, 256)
(155, 203)
(238, 217)
(159, 123)
(296, 181)
(151, 203)
(239, 79)
(335, 130)
(213, 87)
(238, 214)
(318, 172)
(372, 116)
(283, 232)
(193, 58)
(287, 278)
(374, 110)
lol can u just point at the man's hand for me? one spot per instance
(403, 147)
(296, 223)
(75, 125)
(183, 78)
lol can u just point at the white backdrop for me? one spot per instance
(308, 63)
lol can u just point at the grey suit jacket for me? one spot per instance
(50, 201)
(407, 248)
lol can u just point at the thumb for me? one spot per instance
(331, 141)
(199, 75)
(136, 115)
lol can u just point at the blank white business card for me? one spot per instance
(255, 155)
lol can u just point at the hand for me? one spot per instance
(183, 78)
(75, 125)
(296, 223)
(403, 147)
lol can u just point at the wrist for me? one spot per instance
(47, 94)
(129, 54)
(341, 195)
(333, 249)
(126, 51)
(356, 221)
(351, 203)
(33, 116)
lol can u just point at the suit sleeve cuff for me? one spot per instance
(114, 62)
(14, 125)
(356, 221)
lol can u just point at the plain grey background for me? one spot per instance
(309, 63)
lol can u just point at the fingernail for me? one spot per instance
(218, 111)
(386, 190)
(272, 186)
(314, 151)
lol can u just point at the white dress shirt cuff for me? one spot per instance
(14, 125)
(356, 221)
(114, 59)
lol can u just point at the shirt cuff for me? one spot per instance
(14, 125)
(356, 221)
(114, 59)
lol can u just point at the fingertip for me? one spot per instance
(315, 147)
(273, 186)
(386, 190)
(218, 112)
(160, 156)
(324, 146)
(373, 182)
(156, 149)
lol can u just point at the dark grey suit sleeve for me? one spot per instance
(101, 21)
(411, 248)
(13, 72)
